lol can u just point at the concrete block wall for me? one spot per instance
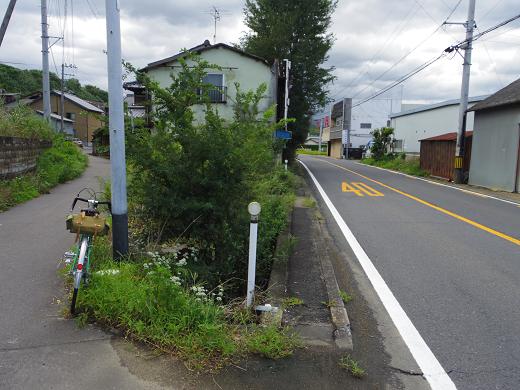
(19, 155)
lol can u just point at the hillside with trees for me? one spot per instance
(27, 81)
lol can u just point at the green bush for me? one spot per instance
(410, 167)
(23, 122)
(193, 180)
(62, 162)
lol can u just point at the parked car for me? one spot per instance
(76, 141)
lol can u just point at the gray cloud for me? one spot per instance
(371, 35)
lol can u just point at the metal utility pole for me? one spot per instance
(62, 98)
(7, 18)
(116, 126)
(216, 18)
(286, 97)
(46, 88)
(464, 91)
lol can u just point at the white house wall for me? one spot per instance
(249, 73)
(425, 124)
(376, 112)
(495, 148)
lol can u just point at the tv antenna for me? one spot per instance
(216, 14)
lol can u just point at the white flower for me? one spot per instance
(182, 262)
(108, 272)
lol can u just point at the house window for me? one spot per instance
(398, 144)
(365, 125)
(217, 93)
(70, 115)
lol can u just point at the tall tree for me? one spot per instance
(297, 30)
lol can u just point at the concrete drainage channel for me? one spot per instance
(302, 271)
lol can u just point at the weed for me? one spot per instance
(309, 202)
(329, 304)
(410, 167)
(292, 301)
(81, 320)
(346, 298)
(311, 152)
(271, 342)
(352, 366)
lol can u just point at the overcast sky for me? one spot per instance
(371, 35)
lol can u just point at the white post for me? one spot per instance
(254, 210)
(46, 88)
(116, 125)
(286, 162)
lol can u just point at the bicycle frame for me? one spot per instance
(81, 263)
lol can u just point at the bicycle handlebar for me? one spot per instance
(95, 202)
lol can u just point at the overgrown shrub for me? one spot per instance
(382, 139)
(192, 181)
(24, 123)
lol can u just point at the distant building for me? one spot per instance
(426, 121)
(351, 120)
(236, 66)
(68, 124)
(495, 157)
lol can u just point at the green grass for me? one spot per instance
(58, 164)
(309, 202)
(148, 303)
(346, 298)
(272, 342)
(348, 363)
(311, 152)
(292, 301)
(410, 167)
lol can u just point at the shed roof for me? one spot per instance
(206, 45)
(506, 96)
(80, 102)
(429, 107)
(447, 136)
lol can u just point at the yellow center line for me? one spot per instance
(447, 212)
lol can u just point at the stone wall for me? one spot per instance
(19, 155)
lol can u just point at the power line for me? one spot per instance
(435, 59)
(411, 51)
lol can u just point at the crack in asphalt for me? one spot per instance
(53, 344)
(407, 372)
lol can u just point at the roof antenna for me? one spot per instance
(216, 14)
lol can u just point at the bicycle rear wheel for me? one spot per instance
(78, 273)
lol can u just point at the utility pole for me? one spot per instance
(286, 97)
(46, 90)
(62, 99)
(7, 18)
(464, 92)
(116, 126)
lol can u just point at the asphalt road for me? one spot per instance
(38, 348)
(451, 259)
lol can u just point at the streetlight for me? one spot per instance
(254, 209)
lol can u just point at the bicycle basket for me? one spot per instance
(84, 224)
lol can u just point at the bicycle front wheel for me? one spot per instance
(78, 273)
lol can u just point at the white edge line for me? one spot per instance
(430, 366)
(441, 184)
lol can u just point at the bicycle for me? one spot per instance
(86, 225)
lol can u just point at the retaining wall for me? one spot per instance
(19, 155)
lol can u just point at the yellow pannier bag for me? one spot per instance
(83, 224)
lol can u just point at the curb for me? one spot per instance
(338, 312)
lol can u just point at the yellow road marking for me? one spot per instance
(440, 209)
(367, 189)
(345, 187)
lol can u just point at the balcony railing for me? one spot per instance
(215, 94)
